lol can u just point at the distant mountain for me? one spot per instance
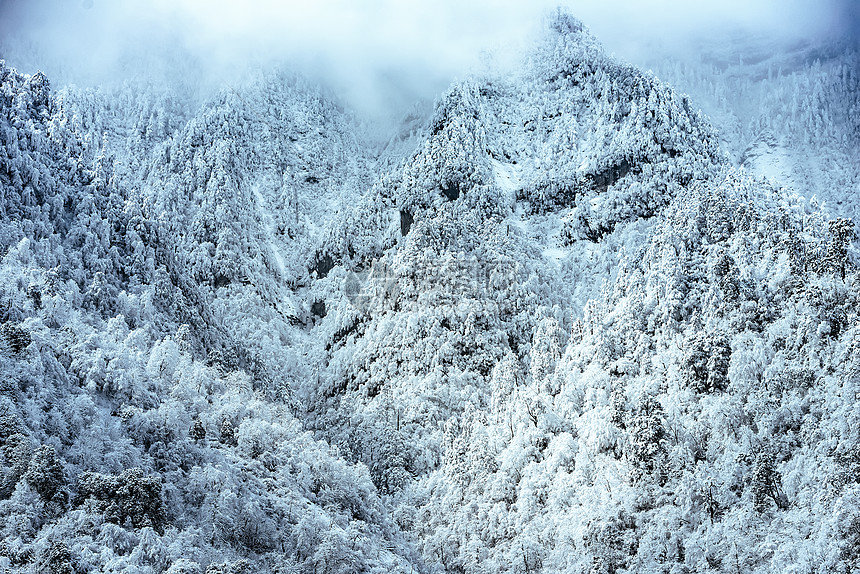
(564, 324)
(786, 111)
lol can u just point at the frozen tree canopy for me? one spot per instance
(567, 321)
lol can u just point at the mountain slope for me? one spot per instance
(122, 449)
(562, 333)
(788, 112)
(496, 243)
(517, 428)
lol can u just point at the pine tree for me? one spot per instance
(45, 473)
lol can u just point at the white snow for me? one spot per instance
(554, 254)
(269, 224)
(507, 177)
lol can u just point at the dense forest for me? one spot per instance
(566, 323)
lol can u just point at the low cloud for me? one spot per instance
(381, 54)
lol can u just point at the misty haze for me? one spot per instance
(433, 287)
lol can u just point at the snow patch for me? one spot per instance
(554, 254)
(269, 225)
(507, 177)
(767, 158)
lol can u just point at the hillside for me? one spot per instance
(787, 112)
(564, 324)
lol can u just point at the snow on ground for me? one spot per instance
(768, 158)
(507, 176)
(269, 225)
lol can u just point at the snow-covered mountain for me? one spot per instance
(567, 323)
(787, 111)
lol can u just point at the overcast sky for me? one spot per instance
(374, 50)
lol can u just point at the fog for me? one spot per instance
(380, 55)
